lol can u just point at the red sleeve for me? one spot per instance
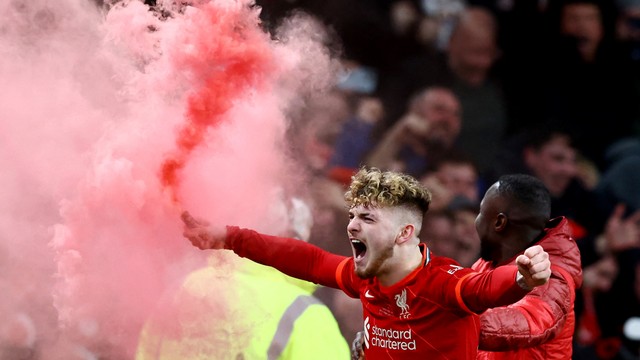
(293, 257)
(481, 291)
(535, 319)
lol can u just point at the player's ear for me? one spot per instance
(406, 233)
(501, 222)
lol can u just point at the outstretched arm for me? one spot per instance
(293, 257)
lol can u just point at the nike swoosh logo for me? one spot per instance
(367, 295)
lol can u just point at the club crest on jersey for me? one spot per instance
(401, 301)
(454, 268)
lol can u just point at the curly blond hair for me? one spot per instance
(373, 187)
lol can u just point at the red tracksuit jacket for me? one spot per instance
(541, 325)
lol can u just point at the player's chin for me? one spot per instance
(362, 272)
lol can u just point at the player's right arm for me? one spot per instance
(293, 257)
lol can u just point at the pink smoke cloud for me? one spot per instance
(113, 123)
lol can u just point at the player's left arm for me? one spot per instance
(506, 284)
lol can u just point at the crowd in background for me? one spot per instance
(458, 93)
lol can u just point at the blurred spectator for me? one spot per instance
(588, 86)
(628, 33)
(519, 21)
(523, 44)
(549, 154)
(342, 124)
(619, 183)
(239, 309)
(427, 131)
(553, 158)
(611, 264)
(464, 230)
(472, 47)
(356, 139)
(472, 53)
(437, 227)
(313, 133)
(454, 176)
(628, 27)
(348, 312)
(609, 298)
(434, 24)
(375, 34)
(465, 66)
(625, 298)
(451, 232)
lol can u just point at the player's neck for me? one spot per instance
(405, 261)
(512, 247)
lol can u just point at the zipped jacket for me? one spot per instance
(540, 325)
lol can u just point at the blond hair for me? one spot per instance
(373, 187)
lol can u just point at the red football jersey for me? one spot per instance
(420, 317)
(430, 314)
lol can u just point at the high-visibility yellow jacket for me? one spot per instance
(237, 309)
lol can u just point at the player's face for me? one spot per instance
(485, 220)
(372, 232)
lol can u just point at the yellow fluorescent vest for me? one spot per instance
(237, 310)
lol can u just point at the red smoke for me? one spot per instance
(229, 55)
(103, 115)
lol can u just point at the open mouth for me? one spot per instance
(359, 248)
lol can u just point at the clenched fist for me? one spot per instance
(534, 267)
